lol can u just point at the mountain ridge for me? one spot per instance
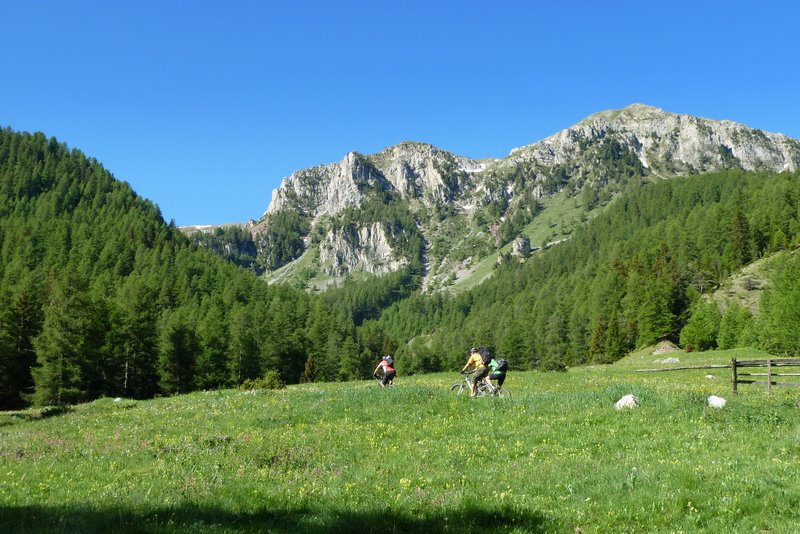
(466, 210)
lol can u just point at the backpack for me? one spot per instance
(486, 356)
(502, 365)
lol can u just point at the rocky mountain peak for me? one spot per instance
(449, 212)
(670, 143)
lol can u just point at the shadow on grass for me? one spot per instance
(191, 518)
(9, 418)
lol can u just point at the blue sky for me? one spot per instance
(203, 107)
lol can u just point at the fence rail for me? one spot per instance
(751, 377)
(769, 363)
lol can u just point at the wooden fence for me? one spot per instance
(773, 366)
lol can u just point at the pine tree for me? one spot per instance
(179, 347)
(68, 347)
(20, 323)
(616, 345)
(212, 363)
(597, 342)
(780, 314)
(134, 340)
(700, 332)
(244, 359)
(734, 325)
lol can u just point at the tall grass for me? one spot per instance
(412, 458)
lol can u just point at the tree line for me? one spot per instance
(99, 296)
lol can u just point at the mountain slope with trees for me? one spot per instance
(638, 273)
(453, 214)
(100, 297)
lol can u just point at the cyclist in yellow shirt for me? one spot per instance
(481, 363)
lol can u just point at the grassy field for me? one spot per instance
(353, 458)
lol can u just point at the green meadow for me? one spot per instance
(352, 457)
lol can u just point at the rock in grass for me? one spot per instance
(716, 402)
(628, 401)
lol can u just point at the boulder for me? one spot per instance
(668, 360)
(628, 401)
(716, 402)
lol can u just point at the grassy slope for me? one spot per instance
(354, 458)
(559, 217)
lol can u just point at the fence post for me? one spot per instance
(735, 378)
(769, 376)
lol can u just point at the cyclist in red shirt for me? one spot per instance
(387, 362)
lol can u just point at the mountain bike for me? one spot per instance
(379, 380)
(483, 389)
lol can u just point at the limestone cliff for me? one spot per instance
(416, 203)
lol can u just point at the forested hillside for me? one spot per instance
(634, 275)
(99, 296)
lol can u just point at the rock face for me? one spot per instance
(670, 143)
(381, 212)
(368, 250)
(521, 248)
(416, 170)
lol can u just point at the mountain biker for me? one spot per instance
(495, 373)
(387, 362)
(481, 369)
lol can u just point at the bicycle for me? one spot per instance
(483, 388)
(379, 380)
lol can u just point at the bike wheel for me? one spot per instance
(503, 393)
(458, 389)
(482, 390)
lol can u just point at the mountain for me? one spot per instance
(99, 297)
(448, 217)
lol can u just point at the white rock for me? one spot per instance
(668, 360)
(628, 401)
(716, 402)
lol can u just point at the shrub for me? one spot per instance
(271, 380)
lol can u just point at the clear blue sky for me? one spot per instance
(203, 107)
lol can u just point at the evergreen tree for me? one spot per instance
(780, 314)
(736, 322)
(68, 347)
(616, 343)
(213, 369)
(178, 351)
(20, 323)
(555, 343)
(245, 361)
(309, 371)
(597, 342)
(134, 341)
(700, 332)
(741, 243)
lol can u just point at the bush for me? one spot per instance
(700, 332)
(271, 380)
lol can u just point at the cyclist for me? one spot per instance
(478, 358)
(387, 362)
(497, 371)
